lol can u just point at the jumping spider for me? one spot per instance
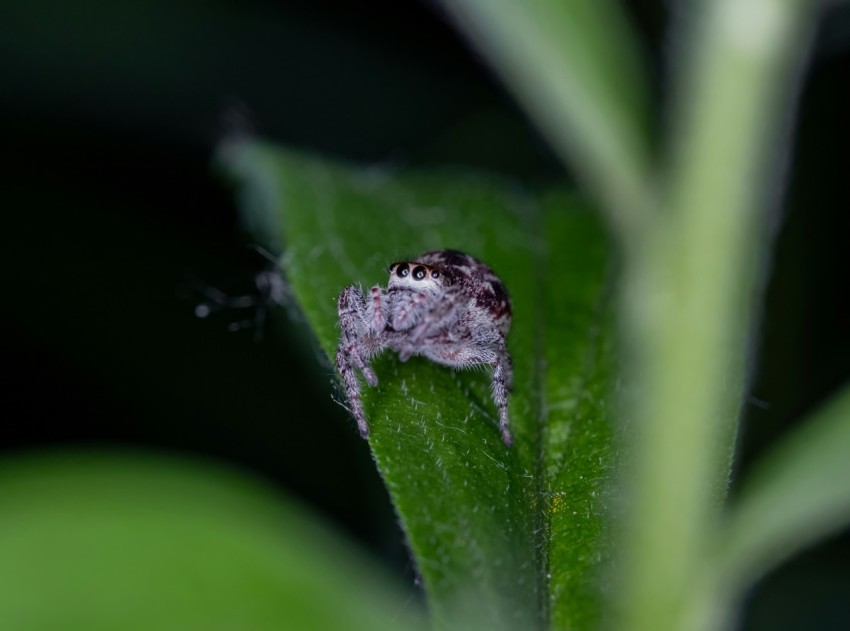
(446, 306)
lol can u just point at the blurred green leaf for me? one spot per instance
(503, 538)
(95, 541)
(797, 495)
(577, 68)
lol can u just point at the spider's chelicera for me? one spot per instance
(446, 306)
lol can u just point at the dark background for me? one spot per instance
(111, 212)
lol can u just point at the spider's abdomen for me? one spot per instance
(486, 291)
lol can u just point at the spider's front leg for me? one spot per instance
(358, 321)
(440, 314)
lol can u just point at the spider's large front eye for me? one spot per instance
(402, 270)
(418, 272)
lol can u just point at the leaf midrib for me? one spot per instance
(541, 520)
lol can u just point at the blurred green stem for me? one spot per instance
(690, 293)
(576, 66)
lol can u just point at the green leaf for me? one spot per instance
(799, 494)
(503, 538)
(97, 541)
(577, 68)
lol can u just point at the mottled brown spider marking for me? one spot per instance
(444, 305)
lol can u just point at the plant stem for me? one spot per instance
(577, 69)
(691, 289)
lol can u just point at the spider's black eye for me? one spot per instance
(402, 270)
(435, 274)
(418, 272)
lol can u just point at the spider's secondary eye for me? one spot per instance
(402, 270)
(435, 274)
(418, 272)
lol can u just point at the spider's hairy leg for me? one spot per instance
(503, 377)
(491, 352)
(352, 390)
(352, 313)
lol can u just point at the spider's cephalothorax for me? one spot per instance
(446, 306)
